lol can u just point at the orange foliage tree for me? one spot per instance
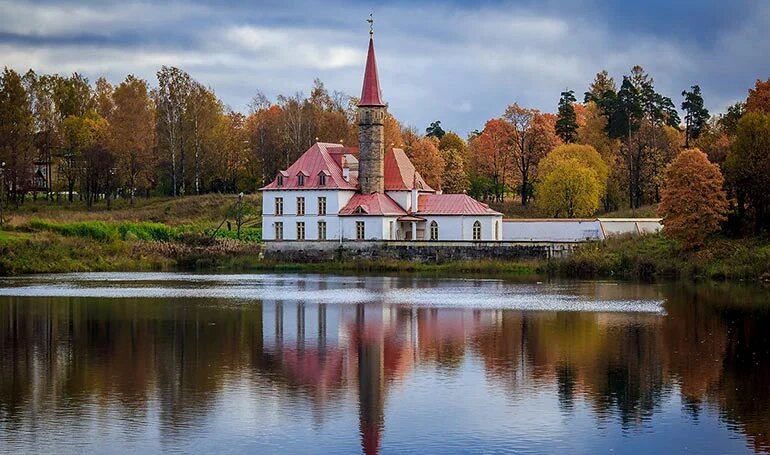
(427, 159)
(492, 160)
(693, 201)
(759, 97)
(534, 135)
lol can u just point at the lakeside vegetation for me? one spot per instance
(178, 234)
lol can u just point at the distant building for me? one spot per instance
(333, 192)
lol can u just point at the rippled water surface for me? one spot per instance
(313, 364)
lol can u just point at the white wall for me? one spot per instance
(551, 230)
(402, 198)
(461, 227)
(335, 200)
(376, 227)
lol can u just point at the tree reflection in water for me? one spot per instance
(138, 361)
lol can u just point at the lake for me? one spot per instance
(320, 364)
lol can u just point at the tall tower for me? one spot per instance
(371, 132)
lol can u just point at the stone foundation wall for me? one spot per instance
(426, 252)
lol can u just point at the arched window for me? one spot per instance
(322, 179)
(300, 179)
(433, 230)
(477, 230)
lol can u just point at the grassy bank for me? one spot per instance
(658, 257)
(153, 234)
(174, 234)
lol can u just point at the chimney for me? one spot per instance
(345, 170)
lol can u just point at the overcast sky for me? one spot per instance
(458, 62)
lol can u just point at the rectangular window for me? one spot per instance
(300, 180)
(300, 230)
(300, 206)
(322, 206)
(279, 230)
(360, 230)
(322, 230)
(279, 206)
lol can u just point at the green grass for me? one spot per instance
(658, 257)
(107, 231)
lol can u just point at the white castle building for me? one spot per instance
(333, 192)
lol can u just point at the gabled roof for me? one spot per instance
(370, 92)
(451, 204)
(375, 204)
(400, 173)
(321, 157)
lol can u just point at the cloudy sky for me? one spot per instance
(458, 62)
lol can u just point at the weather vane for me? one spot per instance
(371, 24)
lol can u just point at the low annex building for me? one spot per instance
(333, 192)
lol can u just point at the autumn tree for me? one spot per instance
(759, 97)
(454, 150)
(47, 131)
(570, 189)
(696, 114)
(427, 159)
(171, 100)
(455, 178)
(132, 133)
(492, 165)
(533, 135)
(748, 168)
(602, 84)
(231, 156)
(265, 143)
(84, 139)
(693, 201)
(103, 98)
(16, 133)
(202, 117)
(584, 154)
(566, 123)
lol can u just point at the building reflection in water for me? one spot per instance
(62, 356)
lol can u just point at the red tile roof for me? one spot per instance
(321, 157)
(375, 204)
(451, 204)
(400, 173)
(370, 93)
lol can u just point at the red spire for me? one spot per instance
(370, 94)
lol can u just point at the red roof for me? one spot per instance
(400, 173)
(370, 93)
(372, 204)
(452, 204)
(321, 158)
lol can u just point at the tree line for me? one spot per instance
(177, 137)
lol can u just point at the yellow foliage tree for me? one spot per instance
(570, 189)
(584, 154)
(693, 201)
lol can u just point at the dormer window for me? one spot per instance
(322, 179)
(360, 210)
(300, 179)
(279, 180)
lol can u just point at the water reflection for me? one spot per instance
(291, 376)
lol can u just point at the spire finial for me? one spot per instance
(371, 24)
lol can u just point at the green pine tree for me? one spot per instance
(566, 123)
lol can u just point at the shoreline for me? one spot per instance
(40, 246)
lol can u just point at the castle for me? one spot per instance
(337, 193)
